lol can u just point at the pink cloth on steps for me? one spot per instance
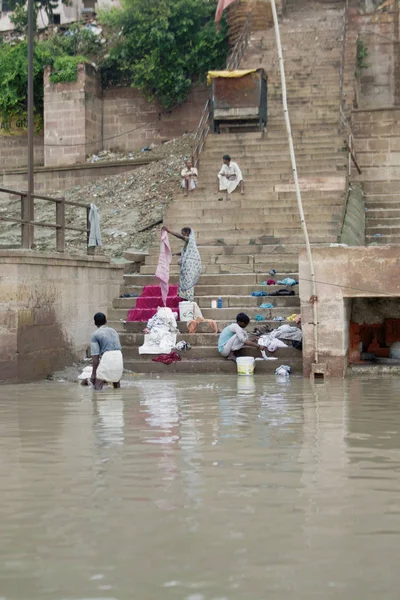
(164, 262)
(150, 300)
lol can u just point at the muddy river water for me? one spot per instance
(202, 488)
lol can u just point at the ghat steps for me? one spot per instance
(242, 240)
(377, 135)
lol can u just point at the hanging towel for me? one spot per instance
(164, 262)
(94, 225)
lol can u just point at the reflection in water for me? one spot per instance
(200, 489)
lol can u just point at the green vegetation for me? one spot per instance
(14, 79)
(157, 46)
(362, 55)
(164, 46)
(65, 68)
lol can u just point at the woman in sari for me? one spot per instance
(190, 263)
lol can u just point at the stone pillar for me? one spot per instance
(72, 118)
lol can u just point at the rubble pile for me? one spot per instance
(127, 203)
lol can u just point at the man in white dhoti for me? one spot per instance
(189, 177)
(106, 352)
(229, 177)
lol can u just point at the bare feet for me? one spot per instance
(242, 192)
(228, 198)
(231, 357)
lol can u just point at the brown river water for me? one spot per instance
(201, 488)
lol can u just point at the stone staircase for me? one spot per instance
(377, 135)
(242, 240)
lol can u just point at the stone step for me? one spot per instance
(271, 213)
(254, 192)
(211, 353)
(207, 258)
(273, 219)
(264, 145)
(244, 238)
(373, 224)
(215, 291)
(381, 188)
(385, 230)
(222, 269)
(229, 301)
(271, 158)
(189, 366)
(223, 314)
(136, 327)
(373, 214)
(276, 174)
(212, 279)
(204, 340)
(288, 251)
(383, 240)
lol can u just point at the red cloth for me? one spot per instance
(222, 5)
(271, 282)
(150, 300)
(167, 359)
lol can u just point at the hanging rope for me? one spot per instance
(314, 297)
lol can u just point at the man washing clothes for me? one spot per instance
(234, 338)
(106, 352)
(229, 177)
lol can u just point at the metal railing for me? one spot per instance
(28, 223)
(233, 62)
(342, 95)
(344, 121)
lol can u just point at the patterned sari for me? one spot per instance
(190, 270)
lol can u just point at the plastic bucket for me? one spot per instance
(186, 311)
(245, 365)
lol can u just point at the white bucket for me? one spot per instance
(245, 365)
(186, 311)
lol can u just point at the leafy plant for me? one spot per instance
(362, 55)
(65, 68)
(110, 17)
(164, 46)
(78, 39)
(14, 78)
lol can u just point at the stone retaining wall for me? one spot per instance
(47, 303)
(49, 180)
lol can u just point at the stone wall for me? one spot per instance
(47, 303)
(130, 121)
(14, 151)
(377, 84)
(342, 274)
(72, 114)
(48, 179)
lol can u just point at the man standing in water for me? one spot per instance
(106, 352)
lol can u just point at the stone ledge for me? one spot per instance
(80, 166)
(32, 257)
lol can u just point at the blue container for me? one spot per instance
(219, 303)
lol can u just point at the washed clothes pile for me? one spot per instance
(162, 336)
(273, 340)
